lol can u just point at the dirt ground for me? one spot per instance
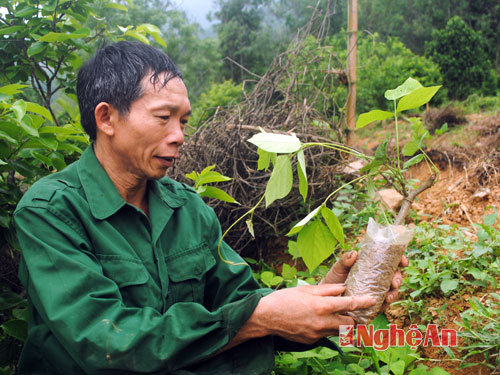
(468, 188)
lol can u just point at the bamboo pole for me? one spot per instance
(352, 34)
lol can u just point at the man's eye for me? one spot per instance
(164, 118)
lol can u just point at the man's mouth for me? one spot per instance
(167, 158)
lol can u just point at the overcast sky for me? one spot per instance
(196, 10)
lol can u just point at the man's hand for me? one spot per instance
(338, 274)
(303, 314)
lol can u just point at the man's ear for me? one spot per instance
(105, 118)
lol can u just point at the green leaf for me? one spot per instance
(11, 29)
(192, 176)
(414, 160)
(417, 98)
(213, 192)
(490, 220)
(449, 285)
(406, 88)
(36, 48)
(154, 31)
(249, 224)
(410, 148)
(8, 300)
(44, 159)
(61, 37)
(38, 109)
(333, 224)
(281, 180)
(381, 151)
(12, 89)
(138, 36)
(28, 127)
(8, 138)
(16, 328)
(293, 249)
(58, 130)
(375, 115)
(116, 6)
(264, 159)
(398, 367)
(209, 177)
(372, 165)
(480, 250)
(315, 244)
(438, 371)
(278, 143)
(49, 142)
(298, 227)
(19, 108)
(301, 171)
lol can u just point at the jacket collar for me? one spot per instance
(103, 196)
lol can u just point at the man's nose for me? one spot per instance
(176, 136)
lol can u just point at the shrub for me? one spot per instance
(218, 95)
(385, 64)
(460, 53)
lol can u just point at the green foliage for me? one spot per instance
(208, 176)
(218, 95)
(380, 65)
(13, 328)
(360, 361)
(30, 147)
(241, 38)
(476, 103)
(481, 328)
(437, 269)
(459, 51)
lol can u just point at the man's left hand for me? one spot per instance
(338, 274)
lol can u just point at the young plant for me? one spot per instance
(320, 230)
(208, 176)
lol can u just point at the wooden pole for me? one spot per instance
(352, 34)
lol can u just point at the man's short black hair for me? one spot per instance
(114, 75)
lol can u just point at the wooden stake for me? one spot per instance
(352, 34)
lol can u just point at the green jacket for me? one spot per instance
(112, 292)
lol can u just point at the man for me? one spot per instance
(121, 264)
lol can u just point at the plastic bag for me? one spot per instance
(378, 260)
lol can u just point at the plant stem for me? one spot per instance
(231, 226)
(397, 134)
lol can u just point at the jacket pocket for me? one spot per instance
(187, 271)
(131, 277)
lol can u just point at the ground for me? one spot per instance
(467, 189)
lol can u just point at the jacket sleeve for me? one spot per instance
(84, 310)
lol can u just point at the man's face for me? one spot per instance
(147, 140)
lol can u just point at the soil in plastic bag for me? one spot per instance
(378, 260)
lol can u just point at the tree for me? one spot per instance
(460, 53)
(239, 30)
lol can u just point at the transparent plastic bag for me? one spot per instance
(378, 260)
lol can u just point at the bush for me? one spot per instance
(460, 53)
(379, 65)
(385, 64)
(218, 95)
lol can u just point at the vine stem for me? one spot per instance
(397, 134)
(251, 211)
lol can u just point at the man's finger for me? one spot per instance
(397, 279)
(351, 303)
(392, 296)
(404, 262)
(340, 270)
(328, 290)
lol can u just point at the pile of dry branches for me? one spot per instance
(293, 96)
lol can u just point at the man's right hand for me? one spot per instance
(304, 314)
